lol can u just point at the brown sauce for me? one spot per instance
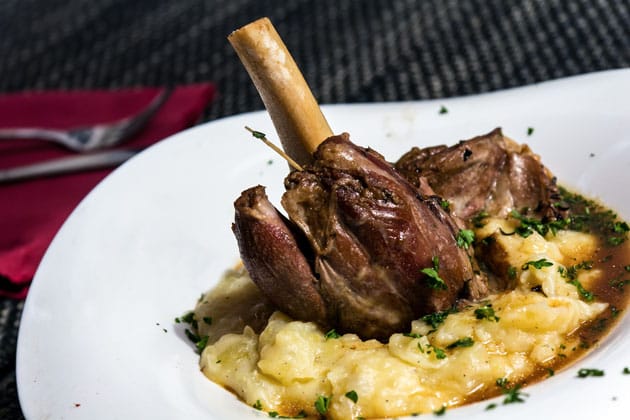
(612, 257)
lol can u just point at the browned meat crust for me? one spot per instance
(368, 236)
(486, 173)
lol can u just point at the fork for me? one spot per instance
(95, 137)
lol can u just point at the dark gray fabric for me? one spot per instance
(349, 51)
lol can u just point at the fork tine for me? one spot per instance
(131, 125)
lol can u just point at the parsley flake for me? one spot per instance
(443, 110)
(543, 262)
(202, 343)
(321, 404)
(439, 353)
(462, 342)
(258, 134)
(331, 334)
(437, 318)
(529, 225)
(352, 395)
(512, 394)
(511, 272)
(478, 220)
(486, 312)
(585, 373)
(434, 280)
(465, 238)
(441, 411)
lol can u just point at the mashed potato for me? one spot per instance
(294, 368)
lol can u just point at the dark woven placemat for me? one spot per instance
(349, 51)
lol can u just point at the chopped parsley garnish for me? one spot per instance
(511, 272)
(301, 415)
(439, 353)
(202, 343)
(588, 216)
(619, 284)
(529, 225)
(445, 204)
(571, 272)
(585, 294)
(441, 411)
(502, 382)
(530, 131)
(543, 262)
(191, 336)
(189, 318)
(332, 334)
(478, 220)
(615, 240)
(437, 318)
(512, 394)
(433, 278)
(207, 320)
(443, 110)
(258, 134)
(550, 372)
(321, 404)
(352, 395)
(412, 335)
(257, 405)
(585, 373)
(465, 238)
(621, 227)
(626, 371)
(462, 342)
(486, 312)
(491, 406)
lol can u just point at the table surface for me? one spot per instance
(349, 51)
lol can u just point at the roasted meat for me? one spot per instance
(488, 173)
(362, 251)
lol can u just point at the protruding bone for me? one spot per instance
(294, 111)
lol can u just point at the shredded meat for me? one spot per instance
(488, 173)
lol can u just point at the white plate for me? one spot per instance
(141, 248)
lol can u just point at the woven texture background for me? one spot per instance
(349, 51)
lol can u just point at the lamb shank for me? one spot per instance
(355, 250)
(367, 246)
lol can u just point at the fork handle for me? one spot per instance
(32, 133)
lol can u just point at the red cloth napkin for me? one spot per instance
(31, 212)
